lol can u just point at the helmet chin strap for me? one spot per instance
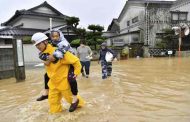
(45, 45)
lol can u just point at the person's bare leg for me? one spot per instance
(45, 92)
(44, 95)
(74, 99)
(74, 104)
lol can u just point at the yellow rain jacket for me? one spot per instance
(58, 84)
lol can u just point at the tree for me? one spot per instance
(75, 43)
(95, 36)
(81, 32)
(72, 23)
(92, 27)
(169, 39)
(27, 40)
(96, 28)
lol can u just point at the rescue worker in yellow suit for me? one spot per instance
(58, 73)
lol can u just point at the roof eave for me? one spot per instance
(48, 5)
(122, 11)
(17, 13)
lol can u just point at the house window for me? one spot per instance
(8, 41)
(174, 16)
(183, 16)
(134, 20)
(128, 23)
(179, 16)
(118, 42)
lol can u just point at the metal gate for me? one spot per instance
(6, 62)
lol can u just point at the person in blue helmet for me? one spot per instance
(105, 64)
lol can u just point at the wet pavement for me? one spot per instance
(140, 90)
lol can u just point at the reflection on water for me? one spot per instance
(153, 90)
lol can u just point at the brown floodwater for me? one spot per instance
(140, 90)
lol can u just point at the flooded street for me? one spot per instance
(140, 90)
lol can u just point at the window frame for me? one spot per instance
(178, 13)
(128, 23)
(135, 19)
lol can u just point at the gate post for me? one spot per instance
(19, 60)
(146, 51)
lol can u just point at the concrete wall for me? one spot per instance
(183, 53)
(31, 54)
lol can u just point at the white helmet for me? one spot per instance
(38, 37)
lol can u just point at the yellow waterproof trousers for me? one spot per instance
(55, 97)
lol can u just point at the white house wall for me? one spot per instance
(38, 22)
(31, 54)
(162, 17)
(132, 11)
(44, 10)
(109, 34)
(16, 21)
(127, 39)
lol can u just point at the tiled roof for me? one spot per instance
(32, 13)
(19, 31)
(114, 21)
